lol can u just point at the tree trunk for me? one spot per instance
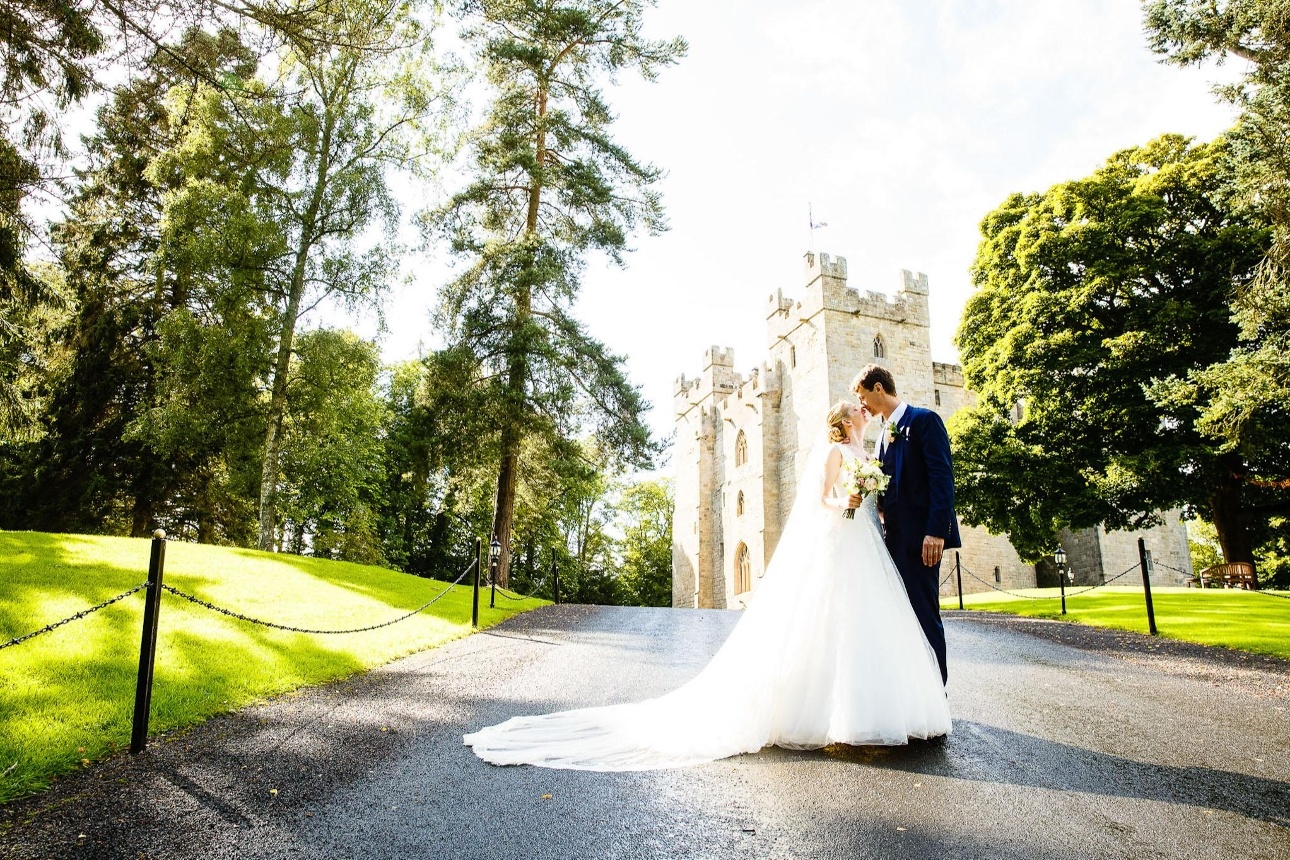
(1231, 518)
(141, 519)
(282, 364)
(272, 436)
(517, 372)
(507, 473)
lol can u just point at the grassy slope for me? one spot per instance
(67, 697)
(1231, 618)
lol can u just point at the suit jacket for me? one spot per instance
(919, 499)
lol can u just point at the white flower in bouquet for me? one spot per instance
(863, 478)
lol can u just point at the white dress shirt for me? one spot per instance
(896, 414)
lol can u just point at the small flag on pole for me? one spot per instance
(814, 225)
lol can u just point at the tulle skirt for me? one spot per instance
(829, 651)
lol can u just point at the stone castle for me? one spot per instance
(740, 442)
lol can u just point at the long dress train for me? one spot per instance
(829, 651)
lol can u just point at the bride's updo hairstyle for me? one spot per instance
(840, 412)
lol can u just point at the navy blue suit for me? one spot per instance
(919, 501)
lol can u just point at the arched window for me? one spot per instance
(743, 570)
(879, 348)
(741, 449)
(739, 504)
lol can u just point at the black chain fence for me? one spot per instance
(1051, 596)
(1186, 573)
(503, 592)
(512, 594)
(1192, 575)
(238, 615)
(18, 640)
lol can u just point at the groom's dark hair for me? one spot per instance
(870, 375)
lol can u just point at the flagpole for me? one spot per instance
(810, 220)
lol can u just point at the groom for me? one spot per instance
(918, 506)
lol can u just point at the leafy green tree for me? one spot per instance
(91, 470)
(413, 519)
(33, 310)
(644, 520)
(332, 449)
(1088, 296)
(549, 186)
(1202, 541)
(439, 443)
(52, 50)
(1241, 401)
(47, 46)
(316, 151)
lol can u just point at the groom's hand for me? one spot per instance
(933, 547)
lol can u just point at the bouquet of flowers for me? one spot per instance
(863, 478)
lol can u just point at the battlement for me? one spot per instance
(726, 386)
(777, 304)
(716, 356)
(947, 374)
(826, 290)
(761, 382)
(914, 283)
(718, 379)
(824, 266)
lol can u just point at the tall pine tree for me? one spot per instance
(550, 185)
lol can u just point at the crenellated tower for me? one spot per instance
(742, 441)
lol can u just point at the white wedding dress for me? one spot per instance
(828, 651)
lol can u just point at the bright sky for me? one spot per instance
(902, 123)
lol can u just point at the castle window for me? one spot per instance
(879, 348)
(997, 574)
(792, 356)
(938, 397)
(739, 504)
(741, 449)
(743, 570)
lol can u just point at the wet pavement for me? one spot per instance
(1067, 744)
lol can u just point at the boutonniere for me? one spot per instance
(895, 434)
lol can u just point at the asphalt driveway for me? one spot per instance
(1068, 743)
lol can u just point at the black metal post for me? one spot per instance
(492, 578)
(474, 602)
(1061, 582)
(1144, 555)
(148, 644)
(555, 579)
(958, 573)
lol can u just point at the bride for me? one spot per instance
(828, 652)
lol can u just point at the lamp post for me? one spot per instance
(494, 553)
(1059, 558)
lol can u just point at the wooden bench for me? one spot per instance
(1239, 574)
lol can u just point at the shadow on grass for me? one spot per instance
(36, 568)
(389, 586)
(69, 696)
(60, 710)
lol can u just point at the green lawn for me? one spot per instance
(67, 697)
(1231, 618)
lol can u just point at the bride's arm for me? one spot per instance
(833, 468)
